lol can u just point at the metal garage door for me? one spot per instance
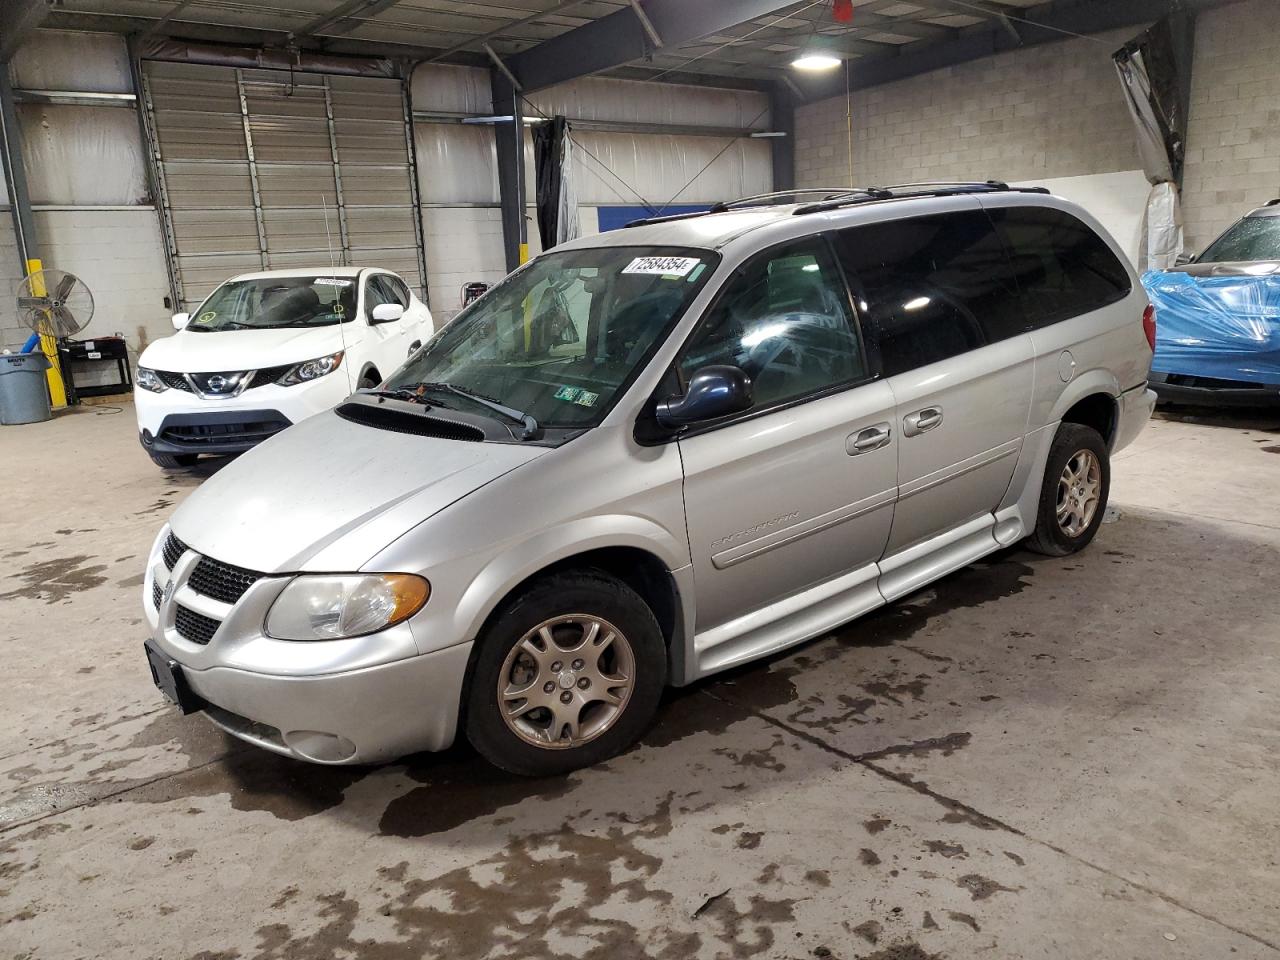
(250, 161)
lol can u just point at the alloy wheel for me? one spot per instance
(1079, 492)
(566, 681)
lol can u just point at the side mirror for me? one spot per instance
(1183, 259)
(180, 320)
(714, 391)
(387, 312)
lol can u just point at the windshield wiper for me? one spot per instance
(530, 424)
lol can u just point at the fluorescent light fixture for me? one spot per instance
(810, 268)
(816, 61)
(917, 303)
(527, 121)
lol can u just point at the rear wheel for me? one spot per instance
(1073, 498)
(568, 674)
(173, 461)
(369, 379)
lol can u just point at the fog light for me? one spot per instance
(321, 747)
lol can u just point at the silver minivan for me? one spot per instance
(651, 455)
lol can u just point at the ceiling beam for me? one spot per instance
(620, 38)
(344, 17)
(1044, 23)
(17, 19)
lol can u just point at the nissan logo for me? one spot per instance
(217, 383)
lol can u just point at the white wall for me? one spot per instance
(86, 173)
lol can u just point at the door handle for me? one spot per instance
(914, 424)
(864, 441)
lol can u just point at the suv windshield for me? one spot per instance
(1253, 238)
(559, 339)
(272, 302)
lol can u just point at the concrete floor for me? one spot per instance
(1033, 758)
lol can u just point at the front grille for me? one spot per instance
(221, 581)
(175, 381)
(173, 549)
(156, 593)
(196, 435)
(194, 626)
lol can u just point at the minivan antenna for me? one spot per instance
(342, 326)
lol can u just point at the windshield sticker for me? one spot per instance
(697, 272)
(207, 317)
(587, 399)
(662, 266)
(569, 393)
(332, 281)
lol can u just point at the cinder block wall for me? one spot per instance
(1233, 138)
(1053, 110)
(1056, 110)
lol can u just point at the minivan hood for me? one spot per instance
(227, 350)
(328, 494)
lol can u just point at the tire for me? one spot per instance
(576, 599)
(1073, 445)
(174, 461)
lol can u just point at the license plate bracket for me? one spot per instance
(166, 673)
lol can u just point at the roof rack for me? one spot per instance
(834, 197)
(826, 193)
(902, 191)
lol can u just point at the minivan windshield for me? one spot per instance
(273, 302)
(1253, 238)
(560, 338)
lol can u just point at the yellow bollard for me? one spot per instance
(57, 390)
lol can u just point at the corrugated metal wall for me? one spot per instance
(266, 169)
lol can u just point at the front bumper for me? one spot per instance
(178, 422)
(225, 431)
(1208, 391)
(363, 700)
(361, 716)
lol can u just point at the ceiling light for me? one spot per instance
(816, 61)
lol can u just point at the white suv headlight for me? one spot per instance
(337, 606)
(311, 369)
(148, 379)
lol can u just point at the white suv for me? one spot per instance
(266, 350)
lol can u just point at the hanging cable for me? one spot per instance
(709, 163)
(848, 115)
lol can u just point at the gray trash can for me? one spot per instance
(24, 398)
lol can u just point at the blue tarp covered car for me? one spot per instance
(1218, 318)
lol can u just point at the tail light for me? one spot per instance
(1149, 326)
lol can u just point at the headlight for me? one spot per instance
(311, 369)
(149, 380)
(331, 607)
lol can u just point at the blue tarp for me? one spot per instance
(1227, 327)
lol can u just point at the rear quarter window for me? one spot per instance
(1062, 267)
(931, 287)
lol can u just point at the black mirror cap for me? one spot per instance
(715, 391)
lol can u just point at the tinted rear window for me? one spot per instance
(1063, 268)
(931, 287)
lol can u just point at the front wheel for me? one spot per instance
(568, 674)
(1073, 498)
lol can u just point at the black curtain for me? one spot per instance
(548, 154)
